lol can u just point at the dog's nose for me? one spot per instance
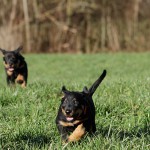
(11, 64)
(68, 111)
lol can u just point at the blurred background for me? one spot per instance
(75, 26)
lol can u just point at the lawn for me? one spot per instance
(27, 116)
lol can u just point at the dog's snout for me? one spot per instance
(68, 111)
(11, 64)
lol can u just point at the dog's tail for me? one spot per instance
(93, 88)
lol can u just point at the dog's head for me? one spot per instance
(73, 104)
(12, 59)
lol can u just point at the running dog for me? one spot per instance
(76, 114)
(15, 67)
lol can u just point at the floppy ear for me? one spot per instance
(85, 90)
(3, 51)
(18, 49)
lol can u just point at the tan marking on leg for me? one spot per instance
(21, 78)
(77, 133)
(23, 85)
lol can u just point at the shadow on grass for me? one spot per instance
(26, 141)
(122, 134)
(36, 139)
(30, 140)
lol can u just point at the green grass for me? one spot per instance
(27, 116)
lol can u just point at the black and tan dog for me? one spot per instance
(76, 114)
(15, 67)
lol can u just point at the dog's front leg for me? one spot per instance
(23, 85)
(20, 80)
(10, 81)
(77, 133)
(63, 132)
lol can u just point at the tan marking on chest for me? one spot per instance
(67, 124)
(9, 73)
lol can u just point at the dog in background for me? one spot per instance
(76, 114)
(15, 67)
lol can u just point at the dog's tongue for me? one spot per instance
(69, 118)
(11, 69)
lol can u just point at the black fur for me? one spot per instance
(15, 67)
(69, 113)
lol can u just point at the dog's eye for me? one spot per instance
(65, 101)
(75, 102)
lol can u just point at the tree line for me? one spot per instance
(75, 26)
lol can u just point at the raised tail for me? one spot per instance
(93, 88)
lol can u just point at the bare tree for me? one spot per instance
(81, 26)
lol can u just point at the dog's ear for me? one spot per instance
(85, 90)
(3, 51)
(64, 90)
(18, 49)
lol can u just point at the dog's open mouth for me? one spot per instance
(11, 69)
(69, 118)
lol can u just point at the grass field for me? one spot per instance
(27, 116)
